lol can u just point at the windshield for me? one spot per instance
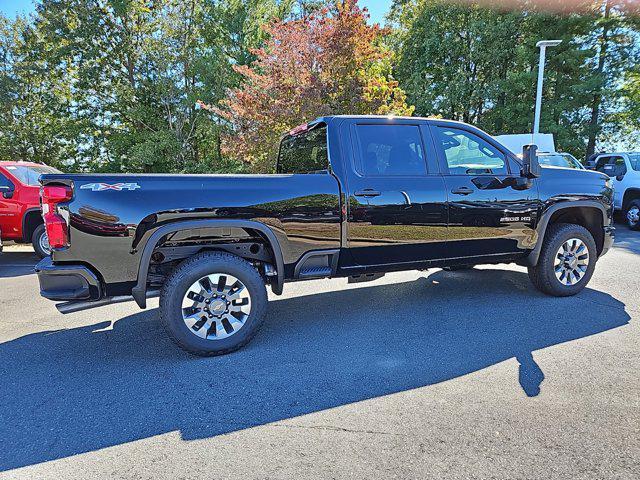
(564, 160)
(634, 159)
(29, 175)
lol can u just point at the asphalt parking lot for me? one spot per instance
(417, 375)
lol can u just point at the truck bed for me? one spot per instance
(112, 216)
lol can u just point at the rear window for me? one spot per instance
(634, 159)
(612, 166)
(29, 175)
(305, 152)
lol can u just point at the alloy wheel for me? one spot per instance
(571, 262)
(43, 241)
(216, 306)
(633, 216)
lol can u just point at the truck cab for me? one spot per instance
(20, 217)
(421, 191)
(624, 170)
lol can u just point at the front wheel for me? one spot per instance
(632, 215)
(213, 303)
(40, 242)
(567, 261)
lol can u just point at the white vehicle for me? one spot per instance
(624, 170)
(559, 159)
(515, 142)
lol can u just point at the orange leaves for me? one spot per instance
(327, 63)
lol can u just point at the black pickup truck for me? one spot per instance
(353, 197)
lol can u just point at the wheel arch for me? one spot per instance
(140, 289)
(30, 221)
(590, 214)
(630, 194)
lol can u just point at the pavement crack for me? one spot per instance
(336, 429)
(604, 304)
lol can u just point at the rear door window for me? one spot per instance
(390, 150)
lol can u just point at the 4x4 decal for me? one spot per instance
(100, 187)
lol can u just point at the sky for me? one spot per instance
(377, 8)
(13, 7)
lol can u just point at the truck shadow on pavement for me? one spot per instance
(17, 264)
(627, 239)
(72, 391)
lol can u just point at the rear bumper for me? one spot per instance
(67, 281)
(609, 237)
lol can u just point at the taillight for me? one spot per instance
(56, 225)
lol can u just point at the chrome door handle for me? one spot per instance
(462, 191)
(367, 192)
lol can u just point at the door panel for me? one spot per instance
(10, 219)
(396, 208)
(406, 222)
(497, 216)
(491, 210)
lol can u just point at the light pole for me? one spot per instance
(543, 44)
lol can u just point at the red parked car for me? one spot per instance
(20, 216)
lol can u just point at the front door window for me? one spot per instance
(468, 154)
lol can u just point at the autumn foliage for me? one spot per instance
(328, 63)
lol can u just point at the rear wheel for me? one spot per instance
(567, 261)
(213, 303)
(40, 242)
(632, 215)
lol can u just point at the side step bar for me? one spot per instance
(315, 272)
(78, 306)
(317, 264)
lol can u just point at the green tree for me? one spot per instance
(35, 103)
(478, 63)
(453, 57)
(133, 68)
(615, 43)
(113, 84)
(326, 63)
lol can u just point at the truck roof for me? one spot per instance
(20, 163)
(617, 153)
(328, 118)
(390, 117)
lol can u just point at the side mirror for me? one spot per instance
(7, 192)
(530, 164)
(620, 177)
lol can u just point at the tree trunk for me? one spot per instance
(596, 103)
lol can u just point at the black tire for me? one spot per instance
(189, 272)
(543, 274)
(36, 241)
(633, 206)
